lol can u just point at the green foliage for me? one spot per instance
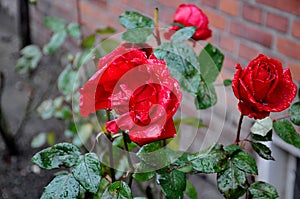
(183, 34)
(173, 183)
(262, 127)
(294, 112)
(89, 41)
(262, 190)
(107, 30)
(245, 162)
(30, 57)
(56, 41)
(73, 30)
(191, 121)
(39, 140)
(117, 190)
(266, 138)
(66, 82)
(131, 19)
(137, 35)
(262, 150)
(232, 149)
(211, 160)
(206, 95)
(144, 172)
(55, 24)
(286, 131)
(62, 187)
(88, 172)
(61, 154)
(190, 190)
(227, 82)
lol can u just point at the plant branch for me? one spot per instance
(79, 20)
(128, 159)
(157, 34)
(238, 133)
(110, 151)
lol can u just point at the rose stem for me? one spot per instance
(110, 151)
(157, 35)
(128, 159)
(237, 139)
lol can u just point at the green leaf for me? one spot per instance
(286, 131)
(62, 154)
(211, 160)
(262, 127)
(183, 164)
(83, 57)
(55, 42)
(231, 149)
(137, 35)
(108, 45)
(262, 150)
(62, 187)
(191, 121)
(38, 140)
(104, 31)
(103, 185)
(144, 172)
(182, 63)
(88, 172)
(266, 138)
(55, 24)
(232, 182)
(73, 30)
(183, 34)
(89, 41)
(245, 162)
(67, 83)
(263, 190)
(190, 190)
(206, 95)
(294, 112)
(33, 2)
(31, 56)
(131, 19)
(172, 183)
(51, 137)
(46, 109)
(210, 60)
(227, 82)
(117, 190)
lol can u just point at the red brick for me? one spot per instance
(230, 7)
(211, 3)
(252, 13)
(277, 22)
(247, 52)
(227, 42)
(296, 29)
(251, 33)
(171, 4)
(290, 6)
(288, 47)
(295, 70)
(215, 19)
(230, 63)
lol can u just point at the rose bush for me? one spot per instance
(191, 15)
(263, 87)
(139, 89)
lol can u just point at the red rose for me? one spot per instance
(191, 15)
(263, 87)
(139, 89)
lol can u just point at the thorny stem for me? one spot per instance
(238, 133)
(128, 159)
(157, 34)
(110, 151)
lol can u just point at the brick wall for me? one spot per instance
(241, 28)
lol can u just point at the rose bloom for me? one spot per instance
(263, 87)
(191, 15)
(139, 89)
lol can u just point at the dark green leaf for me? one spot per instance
(172, 183)
(131, 19)
(107, 30)
(210, 60)
(73, 30)
(232, 182)
(262, 150)
(182, 63)
(183, 164)
(137, 35)
(62, 154)
(266, 138)
(144, 172)
(55, 42)
(103, 185)
(245, 162)
(286, 131)
(206, 95)
(55, 24)
(183, 34)
(190, 190)
(117, 190)
(294, 112)
(227, 82)
(211, 160)
(62, 187)
(88, 172)
(31, 56)
(89, 41)
(67, 83)
(263, 190)
(231, 149)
